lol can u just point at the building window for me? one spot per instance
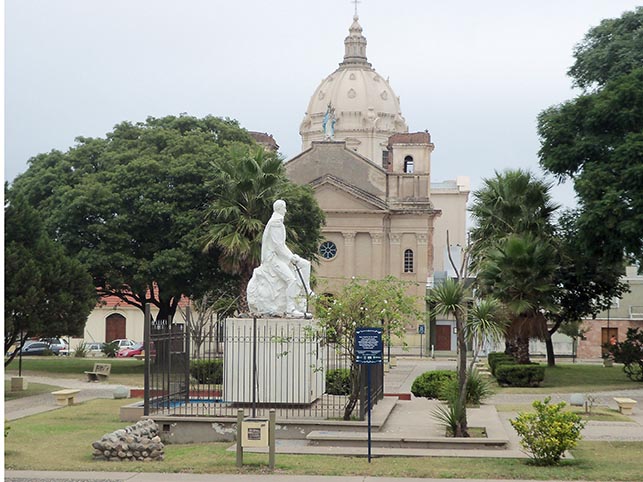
(408, 261)
(385, 160)
(408, 165)
(328, 250)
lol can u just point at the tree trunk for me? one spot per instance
(521, 353)
(242, 305)
(551, 357)
(354, 395)
(461, 409)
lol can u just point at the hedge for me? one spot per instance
(338, 381)
(498, 358)
(429, 384)
(207, 371)
(530, 375)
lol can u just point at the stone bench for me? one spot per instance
(100, 372)
(625, 405)
(65, 397)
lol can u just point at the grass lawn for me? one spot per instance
(125, 371)
(575, 377)
(62, 439)
(32, 389)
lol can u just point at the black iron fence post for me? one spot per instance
(146, 340)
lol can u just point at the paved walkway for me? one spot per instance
(33, 476)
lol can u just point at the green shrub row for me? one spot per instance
(520, 375)
(497, 358)
(429, 384)
(207, 371)
(338, 381)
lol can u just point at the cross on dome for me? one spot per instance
(356, 2)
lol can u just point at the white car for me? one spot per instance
(57, 345)
(124, 343)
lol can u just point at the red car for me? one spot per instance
(131, 351)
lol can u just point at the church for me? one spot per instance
(372, 178)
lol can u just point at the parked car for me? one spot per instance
(94, 349)
(130, 351)
(123, 343)
(37, 348)
(58, 345)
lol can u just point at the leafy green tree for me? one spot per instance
(374, 303)
(596, 139)
(252, 180)
(131, 205)
(46, 292)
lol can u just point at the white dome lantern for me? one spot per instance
(366, 109)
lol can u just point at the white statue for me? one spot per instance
(328, 124)
(281, 284)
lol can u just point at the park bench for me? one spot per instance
(100, 372)
(625, 405)
(66, 396)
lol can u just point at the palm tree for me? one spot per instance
(513, 204)
(485, 323)
(520, 272)
(450, 299)
(250, 181)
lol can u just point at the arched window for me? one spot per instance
(408, 261)
(408, 165)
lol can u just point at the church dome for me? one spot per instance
(365, 108)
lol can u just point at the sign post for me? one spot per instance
(369, 350)
(421, 331)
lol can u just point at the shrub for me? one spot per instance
(429, 384)
(520, 375)
(495, 359)
(547, 433)
(630, 354)
(478, 389)
(110, 349)
(207, 371)
(81, 350)
(338, 381)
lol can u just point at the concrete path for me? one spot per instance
(33, 476)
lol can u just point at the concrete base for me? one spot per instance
(18, 384)
(132, 412)
(289, 366)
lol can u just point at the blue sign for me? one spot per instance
(421, 329)
(369, 349)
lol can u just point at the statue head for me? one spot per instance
(279, 206)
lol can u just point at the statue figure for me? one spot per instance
(328, 125)
(281, 284)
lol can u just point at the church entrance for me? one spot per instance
(443, 337)
(114, 327)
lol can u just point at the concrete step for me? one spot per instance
(322, 438)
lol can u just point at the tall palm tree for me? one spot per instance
(520, 272)
(250, 181)
(514, 203)
(450, 299)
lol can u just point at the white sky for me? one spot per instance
(474, 73)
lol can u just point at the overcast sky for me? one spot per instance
(474, 73)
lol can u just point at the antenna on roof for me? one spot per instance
(355, 2)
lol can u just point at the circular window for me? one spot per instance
(328, 250)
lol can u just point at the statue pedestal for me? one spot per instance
(289, 368)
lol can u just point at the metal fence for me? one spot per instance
(254, 364)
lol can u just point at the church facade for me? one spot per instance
(372, 178)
